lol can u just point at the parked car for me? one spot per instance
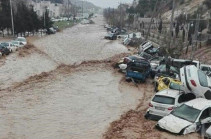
(22, 40)
(111, 36)
(10, 46)
(196, 81)
(50, 31)
(164, 83)
(165, 101)
(187, 118)
(4, 50)
(17, 44)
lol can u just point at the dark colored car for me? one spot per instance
(111, 36)
(138, 70)
(50, 31)
(153, 51)
(133, 58)
(145, 55)
(161, 71)
(4, 50)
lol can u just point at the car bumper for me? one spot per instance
(158, 112)
(152, 116)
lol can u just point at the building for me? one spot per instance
(54, 9)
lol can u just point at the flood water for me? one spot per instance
(78, 105)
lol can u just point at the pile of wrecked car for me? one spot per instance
(182, 100)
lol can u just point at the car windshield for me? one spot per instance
(186, 112)
(163, 99)
(174, 86)
(4, 44)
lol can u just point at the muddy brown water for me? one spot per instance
(76, 105)
(79, 105)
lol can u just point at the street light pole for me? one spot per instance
(13, 30)
(82, 8)
(44, 18)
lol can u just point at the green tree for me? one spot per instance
(47, 23)
(5, 22)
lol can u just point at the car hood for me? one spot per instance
(173, 124)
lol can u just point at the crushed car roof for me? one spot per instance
(199, 103)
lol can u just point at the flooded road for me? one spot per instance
(76, 103)
(80, 43)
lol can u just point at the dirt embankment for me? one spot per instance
(202, 54)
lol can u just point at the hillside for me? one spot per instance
(184, 7)
(86, 5)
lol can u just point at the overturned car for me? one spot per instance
(196, 81)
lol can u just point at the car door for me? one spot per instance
(205, 114)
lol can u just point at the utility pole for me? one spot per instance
(171, 24)
(82, 8)
(154, 11)
(68, 5)
(13, 30)
(120, 15)
(195, 36)
(44, 18)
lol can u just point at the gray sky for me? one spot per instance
(108, 3)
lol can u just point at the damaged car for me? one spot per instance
(111, 36)
(165, 82)
(187, 118)
(138, 70)
(196, 81)
(161, 70)
(206, 69)
(165, 101)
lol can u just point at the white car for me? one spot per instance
(187, 118)
(10, 46)
(206, 69)
(196, 81)
(22, 40)
(18, 44)
(165, 101)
